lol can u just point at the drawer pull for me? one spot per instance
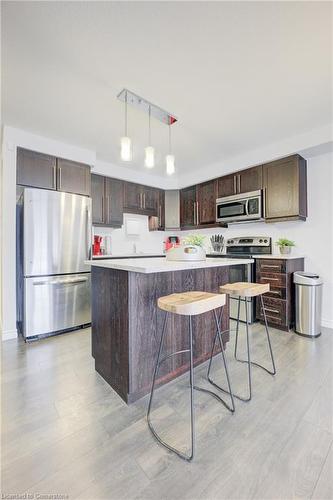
(270, 266)
(272, 317)
(272, 310)
(272, 279)
(275, 292)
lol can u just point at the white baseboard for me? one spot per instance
(9, 335)
(327, 323)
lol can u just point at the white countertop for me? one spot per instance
(279, 256)
(127, 255)
(161, 265)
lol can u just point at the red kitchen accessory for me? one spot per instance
(97, 245)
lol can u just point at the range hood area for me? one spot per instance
(172, 210)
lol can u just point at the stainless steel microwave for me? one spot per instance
(239, 207)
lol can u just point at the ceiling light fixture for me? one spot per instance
(170, 159)
(127, 96)
(125, 142)
(149, 150)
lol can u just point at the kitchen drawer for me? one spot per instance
(275, 310)
(276, 280)
(277, 293)
(270, 266)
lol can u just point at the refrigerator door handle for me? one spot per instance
(60, 282)
(88, 234)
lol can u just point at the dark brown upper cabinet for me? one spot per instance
(132, 197)
(139, 199)
(36, 169)
(114, 202)
(73, 177)
(188, 207)
(285, 183)
(226, 186)
(243, 181)
(48, 172)
(249, 179)
(150, 199)
(98, 199)
(206, 202)
(107, 201)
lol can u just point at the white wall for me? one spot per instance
(122, 243)
(313, 238)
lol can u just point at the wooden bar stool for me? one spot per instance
(189, 304)
(243, 291)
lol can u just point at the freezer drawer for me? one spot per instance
(56, 303)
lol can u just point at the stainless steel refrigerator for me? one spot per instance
(54, 240)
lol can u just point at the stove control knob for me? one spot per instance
(265, 241)
(260, 241)
(231, 241)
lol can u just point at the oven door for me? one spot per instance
(241, 274)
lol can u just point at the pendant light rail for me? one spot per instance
(140, 103)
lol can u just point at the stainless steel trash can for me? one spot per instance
(308, 300)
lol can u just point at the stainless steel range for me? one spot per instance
(244, 247)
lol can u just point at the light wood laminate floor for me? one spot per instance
(66, 432)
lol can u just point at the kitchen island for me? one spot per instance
(127, 324)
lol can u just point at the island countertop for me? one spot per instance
(161, 265)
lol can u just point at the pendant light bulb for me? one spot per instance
(126, 149)
(125, 141)
(149, 157)
(170, 164)
(149, 150)
(170, 159)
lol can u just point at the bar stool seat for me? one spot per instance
(245, 289)
(191, 303)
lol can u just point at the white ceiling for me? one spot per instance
(238, 75)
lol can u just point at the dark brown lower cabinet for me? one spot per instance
(279, 302)
(127, 324)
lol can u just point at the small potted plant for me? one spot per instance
(285, 245)
(196, 240)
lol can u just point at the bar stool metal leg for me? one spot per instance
(158, 362)
(273, 371)
(219, 336)
(246, 399)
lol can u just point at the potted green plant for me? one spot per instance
(285, 245)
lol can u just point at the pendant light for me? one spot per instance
(170, 159)
(149, 150)
(125, 142)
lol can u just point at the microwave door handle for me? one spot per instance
(247, 207)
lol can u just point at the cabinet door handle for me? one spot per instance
(144, 200)
(235, 184)
(239, 186)
(275, 311)
(194, 214)
(103, 209)
(59, 177)
(141, 200)
(108, 200)
(55, 176)
(197, 213)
